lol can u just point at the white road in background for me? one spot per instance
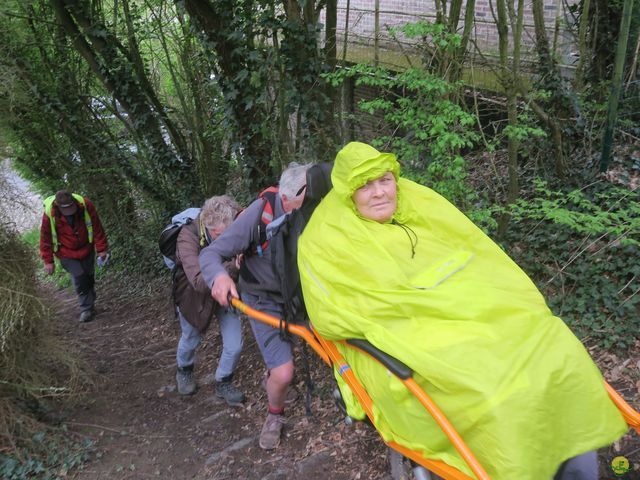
(19, 206)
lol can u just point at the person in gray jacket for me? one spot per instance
(195, 307)
(259, 287)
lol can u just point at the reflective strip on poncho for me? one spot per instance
(515, 382)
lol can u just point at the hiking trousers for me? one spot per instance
(231, 333)
(82, 277)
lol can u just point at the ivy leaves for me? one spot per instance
(583, 250)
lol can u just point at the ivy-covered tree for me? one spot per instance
(268, 61)
(121, 73)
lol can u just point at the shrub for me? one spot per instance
(582, 247)
(36, 368)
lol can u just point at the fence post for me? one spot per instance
(376, 38)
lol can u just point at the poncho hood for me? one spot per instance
(356, 164)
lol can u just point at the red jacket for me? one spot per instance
(72, 243)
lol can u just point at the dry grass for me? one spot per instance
(36, 368)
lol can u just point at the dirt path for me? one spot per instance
(143, 429)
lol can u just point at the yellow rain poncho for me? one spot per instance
(515, 382)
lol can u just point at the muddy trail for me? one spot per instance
(142, 428)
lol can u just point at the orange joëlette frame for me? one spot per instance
(332, 357)
(630, 415)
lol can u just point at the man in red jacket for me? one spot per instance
(71, 230)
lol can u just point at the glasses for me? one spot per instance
(302, 189)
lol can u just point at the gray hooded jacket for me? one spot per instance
(242, 234)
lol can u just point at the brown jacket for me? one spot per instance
(192, 294)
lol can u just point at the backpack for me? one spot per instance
(283, 235)
(169, 236)
(284, 242)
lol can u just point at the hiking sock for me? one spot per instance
(276, 411)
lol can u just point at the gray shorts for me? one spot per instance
(275, 351)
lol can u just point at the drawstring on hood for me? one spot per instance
(413, 237)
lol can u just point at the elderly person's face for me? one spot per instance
(292, 203)
(377, 199)
(217, 230)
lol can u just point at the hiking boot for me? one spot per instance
(227, 391)
(271, 431)
(185, 381)
(87, 315)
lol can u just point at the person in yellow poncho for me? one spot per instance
(393, 262)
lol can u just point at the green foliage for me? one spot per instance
(100, 135)
(534, 144)
(522, 132)
(582, 247)
(613, 212)
(32, 238)
(441, 50)
(429, 130)
(602, 35)
(56, 459)
(433, 34)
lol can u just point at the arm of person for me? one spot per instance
(236, 239)
(99, 235)
(187, 250)
(46, 245)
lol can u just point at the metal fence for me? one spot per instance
(366, 26)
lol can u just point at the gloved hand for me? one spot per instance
(103, 259)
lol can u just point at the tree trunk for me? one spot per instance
(551, 81)
(316, 98)
(346, 31)
(509, 77)
(133, 54)
(616, 85)
(215, 20)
